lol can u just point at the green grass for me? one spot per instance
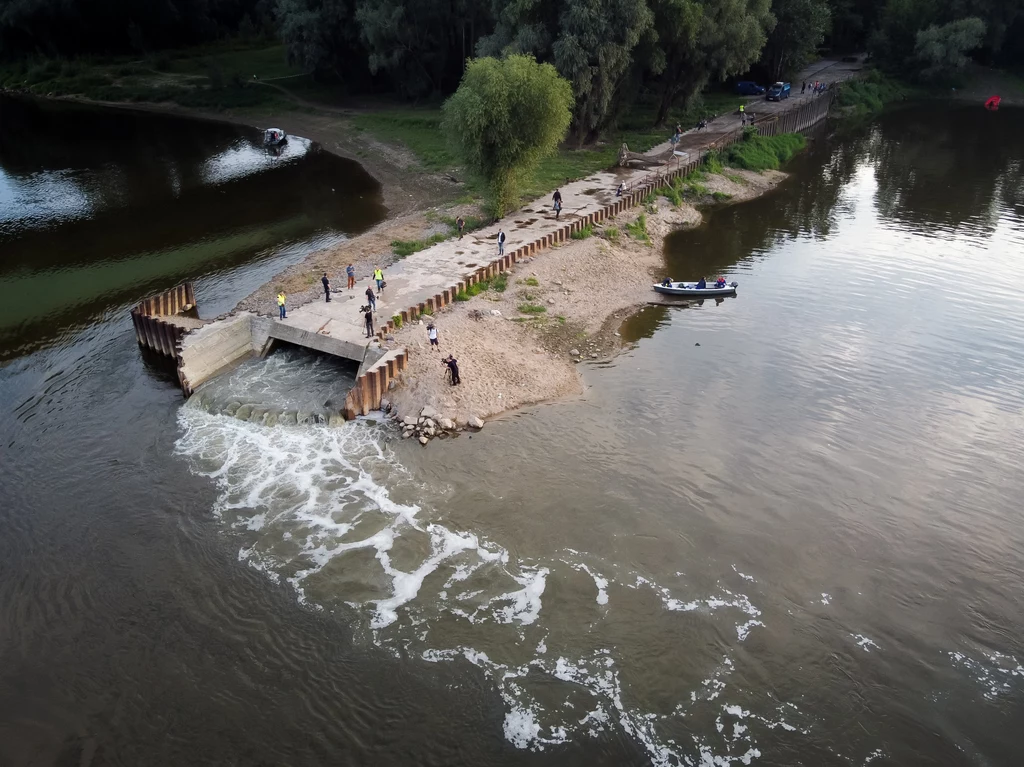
(500, 283)
(462, 296)
(760, 153)
(532, 309)
(403, 248)
(418, 129)
(736, 178)
(611, 233)
(583, 233)
(428, 311)
(673, 193)
(720, 196)
(531, 281)
(397, 319)
(638, 229)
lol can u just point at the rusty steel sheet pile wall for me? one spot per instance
(153, 332)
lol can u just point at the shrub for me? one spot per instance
(720, 196)
(462, 296)
(583, 233)
(713, 161)
(612, 233)
(531, 281)
(397, 319)
(500, 283)
(403, 248)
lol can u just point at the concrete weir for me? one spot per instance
(425, 281)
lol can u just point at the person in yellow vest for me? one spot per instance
(743, 115)
(280, 304)
(378, 276)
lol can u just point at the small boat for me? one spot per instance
(274, 137)
(691, 289)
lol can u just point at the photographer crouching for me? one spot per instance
(453, 367)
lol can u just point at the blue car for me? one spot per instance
(748, 88)
(778, 92)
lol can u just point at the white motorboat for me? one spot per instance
(274, 137)
(691, 290)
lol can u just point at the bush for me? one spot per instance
(397, 319)
(506, 116)
(760, 153)
(870, 94)
(583, 233)
(713, 161)
(500, 283)
(611, 233)
(531, 281)
(403, 248)
(720, 196)
(462, 296)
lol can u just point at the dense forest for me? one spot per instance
(609, 50)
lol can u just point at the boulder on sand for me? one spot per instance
(424, 440)
(428, 412)
(475, 422)
(447, 424)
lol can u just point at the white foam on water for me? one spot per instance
(997, 675)
(303, 497)
(743, 575)
(864, 643)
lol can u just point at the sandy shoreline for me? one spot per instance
(587, 288)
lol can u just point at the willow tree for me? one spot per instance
(507, 115)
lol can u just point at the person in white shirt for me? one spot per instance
(432, 335)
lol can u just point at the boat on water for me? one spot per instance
(274, 137)
(691, 290)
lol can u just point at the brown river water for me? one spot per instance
(779, 529)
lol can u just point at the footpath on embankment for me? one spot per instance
(429, 280)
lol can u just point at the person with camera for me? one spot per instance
(453, 366)
(368, 319)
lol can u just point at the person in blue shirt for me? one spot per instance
(701, 284)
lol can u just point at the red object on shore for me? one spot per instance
(993, 102)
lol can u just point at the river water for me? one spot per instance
(779, 529)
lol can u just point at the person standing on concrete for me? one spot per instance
(432, 335)
(351, 272)
(557, 197)
(460, 222)
(368, 319)
(327, 287)
(378, 277)
(803, 88)
(370, 299)
(281, 298)
(501, 242)
(743, 114)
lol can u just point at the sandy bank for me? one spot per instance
(510, 359)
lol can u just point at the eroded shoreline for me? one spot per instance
(509, 358)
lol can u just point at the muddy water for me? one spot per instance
(797, 542)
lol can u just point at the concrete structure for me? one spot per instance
(432, 278)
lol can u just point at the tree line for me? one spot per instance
(608, 50)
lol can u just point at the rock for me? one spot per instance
(428, 412)
(558, 283)
(551, 301)
(475, 422)
(574, 352)
(447, 424)
(385, 404)
(392, 384)
(428, 423)
(430, 431)
(409, 421)
(243, 413)
(406, 434)
(495, 313)
(593, 356)
(336, 419)
(696, 344)
(537, 350)
(424, 440)
(389, 337)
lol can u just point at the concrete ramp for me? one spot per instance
(319, 341)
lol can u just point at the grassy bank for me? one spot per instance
(229, 75)
(870, 94)
(763, 152)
